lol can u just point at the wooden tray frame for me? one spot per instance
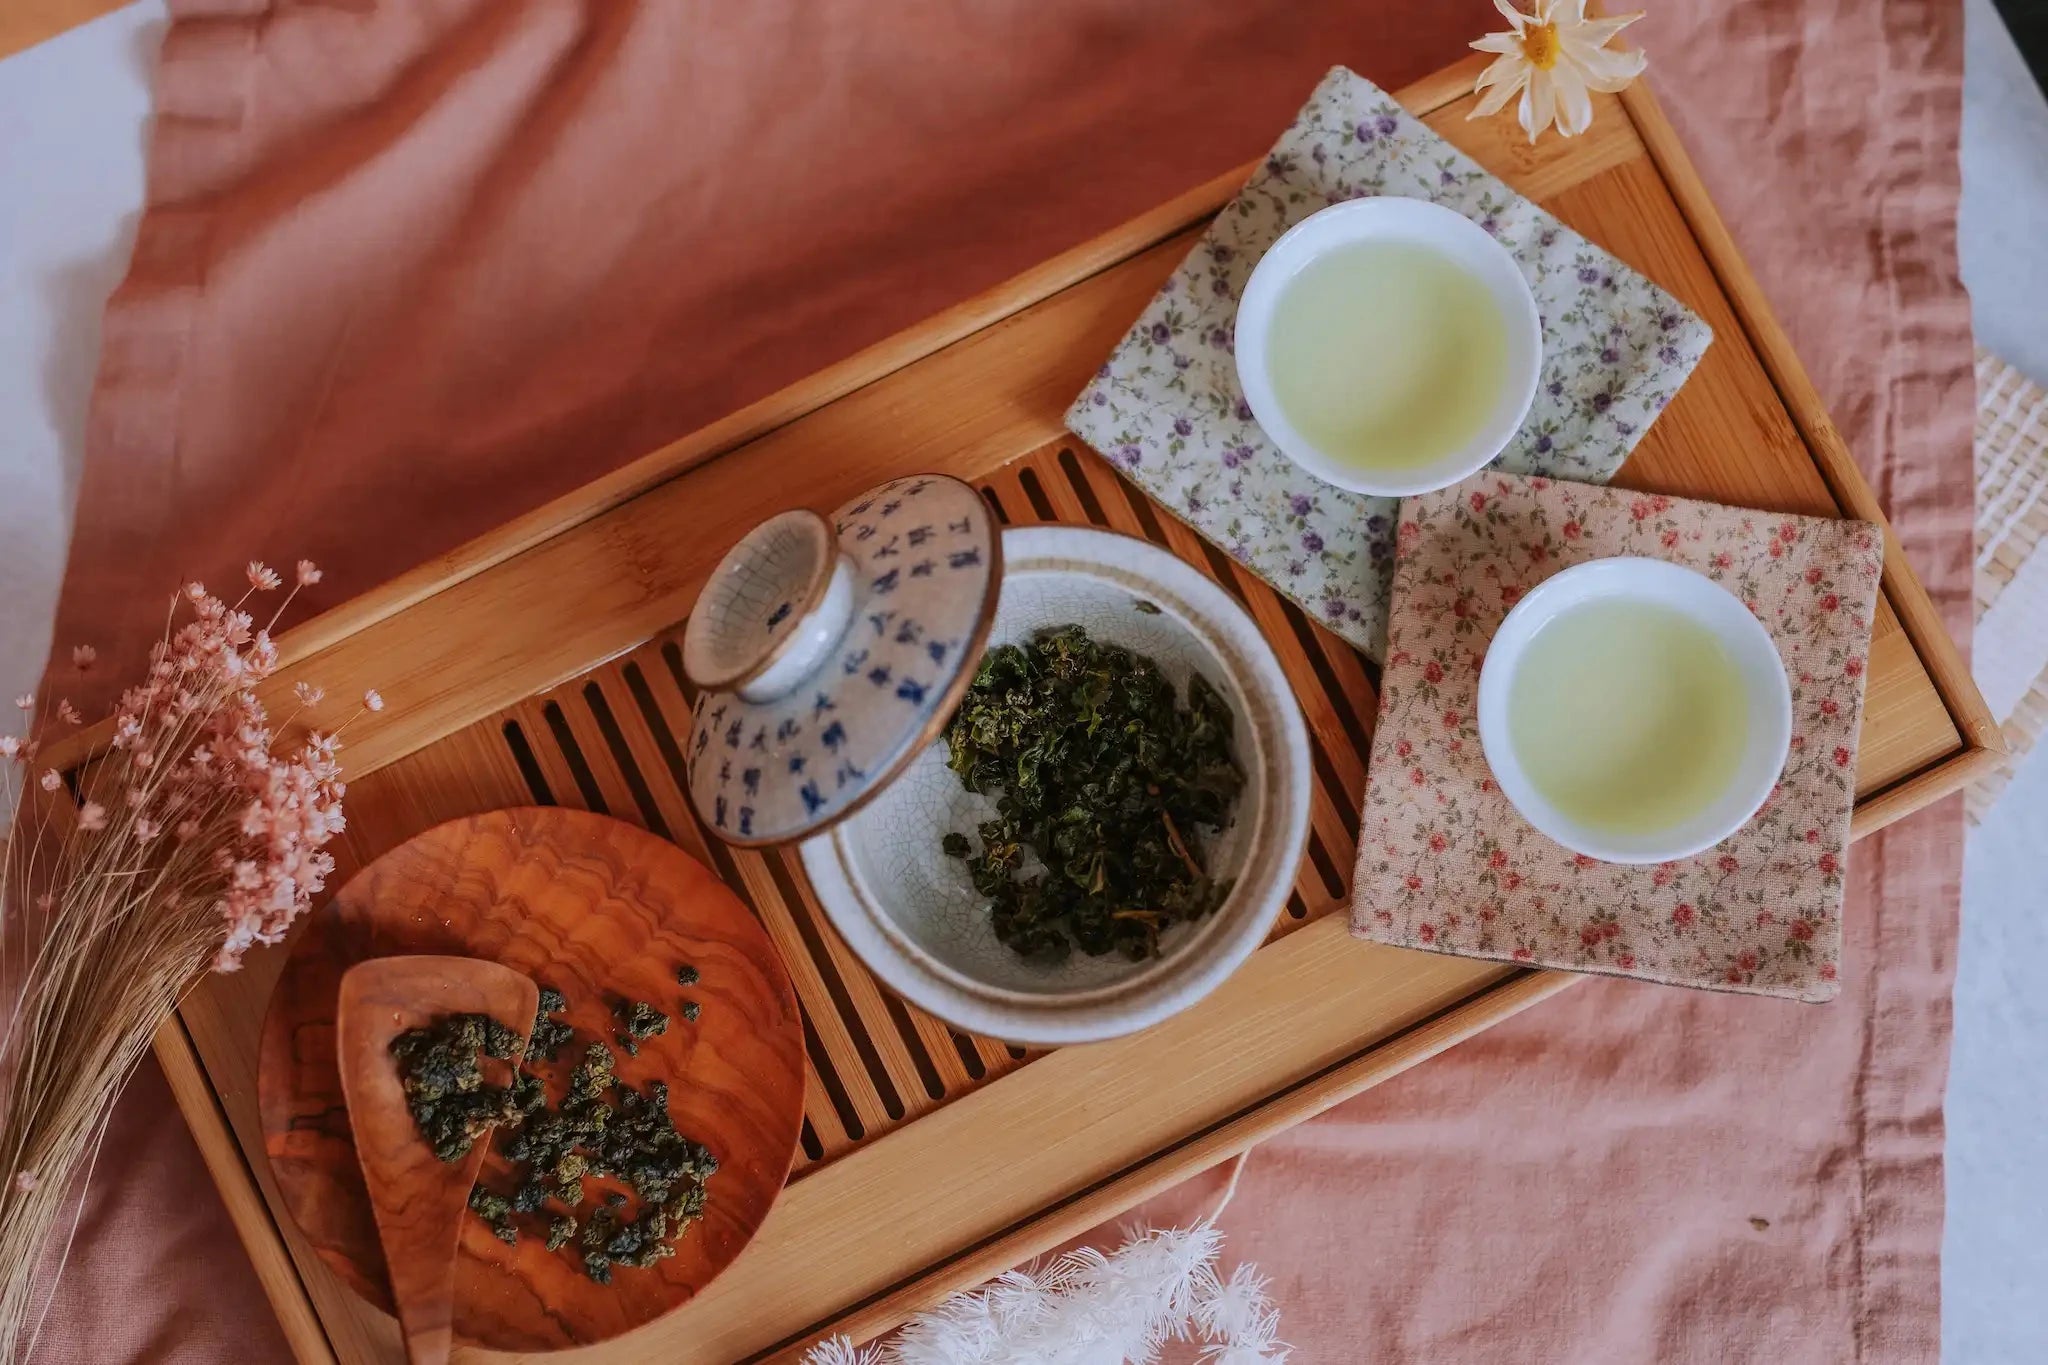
(1317, 1017)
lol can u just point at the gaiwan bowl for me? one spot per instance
(912, 913)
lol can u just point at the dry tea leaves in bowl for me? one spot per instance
(1103, 781)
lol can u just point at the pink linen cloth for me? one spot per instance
(1448, 865)
(410, 268)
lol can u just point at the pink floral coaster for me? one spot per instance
(1445, 863)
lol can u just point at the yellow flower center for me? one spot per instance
(1540, 45)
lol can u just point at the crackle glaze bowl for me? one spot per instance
(912, 914)
(828, 652)
(829, 656)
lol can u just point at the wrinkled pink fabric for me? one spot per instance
(412, 268)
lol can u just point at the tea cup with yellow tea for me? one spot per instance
(1634, 711)
(1388, 345)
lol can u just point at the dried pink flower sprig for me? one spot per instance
(199, 832)
(243, 825)
(269, 815)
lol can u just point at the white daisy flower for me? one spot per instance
(1554, 59)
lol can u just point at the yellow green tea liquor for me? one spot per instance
(1387, 355)
(1627, 716)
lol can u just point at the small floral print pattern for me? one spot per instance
(1444, 861)
(1167, 410)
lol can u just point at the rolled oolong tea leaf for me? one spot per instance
(444, 1085)
(496, 1213)
(549, 1033)
(1105, 778)
(641, 1019)
(603, 1128)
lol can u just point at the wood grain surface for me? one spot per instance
(419, 1200)
(602, 912)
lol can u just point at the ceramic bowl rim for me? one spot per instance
(1393, 218)
(1146, 973)
(1620, 578)
(1223, 941)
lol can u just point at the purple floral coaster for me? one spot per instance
(1167, 411)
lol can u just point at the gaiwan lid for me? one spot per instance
(828, 653)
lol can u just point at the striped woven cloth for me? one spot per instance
(2010, 659)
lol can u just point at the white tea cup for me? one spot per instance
(1457, 240)
(1748, 647)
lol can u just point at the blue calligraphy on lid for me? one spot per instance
(880, 635)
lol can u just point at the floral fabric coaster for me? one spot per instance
(1167, 410)
(1444, 861)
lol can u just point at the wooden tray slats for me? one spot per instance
(611, 741)
(608, 741)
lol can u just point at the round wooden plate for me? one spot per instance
(601, 911)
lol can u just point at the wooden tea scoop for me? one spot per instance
(418, 1199)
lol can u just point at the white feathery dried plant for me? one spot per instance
(1094, 1308)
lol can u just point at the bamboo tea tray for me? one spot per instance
(539, 665)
